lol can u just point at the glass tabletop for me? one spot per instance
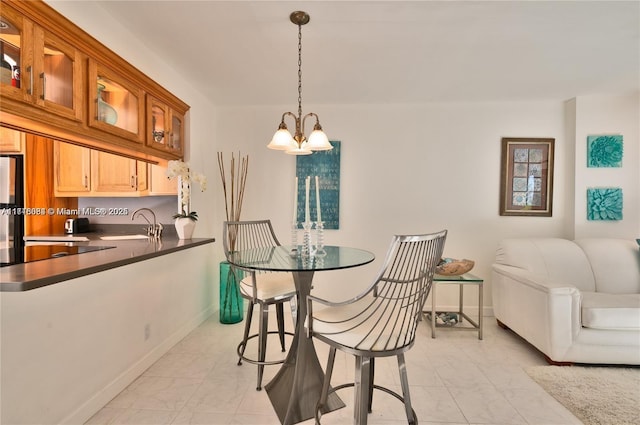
(467, 277)
(281, 258)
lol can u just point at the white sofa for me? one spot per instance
(575, 301)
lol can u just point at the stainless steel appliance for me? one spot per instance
(11, 209)
(76, 225)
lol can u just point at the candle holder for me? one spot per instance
(306, 240)
(294, 238)
(320, 252)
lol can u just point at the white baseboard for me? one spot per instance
(115, 387)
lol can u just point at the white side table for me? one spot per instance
(461, 281)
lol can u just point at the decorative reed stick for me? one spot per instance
(237, 183)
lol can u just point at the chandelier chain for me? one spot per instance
(299, 71)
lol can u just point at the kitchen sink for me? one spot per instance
(123, 237)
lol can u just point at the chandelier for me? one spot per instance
(298, 144)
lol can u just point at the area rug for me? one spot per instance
(595, 395)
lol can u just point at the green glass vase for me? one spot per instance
(231, 302)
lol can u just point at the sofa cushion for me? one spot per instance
(610, 311)
(615, 264)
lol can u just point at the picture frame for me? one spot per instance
(526, 177)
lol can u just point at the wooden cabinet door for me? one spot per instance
(157, 124)
(113, 173)
(58, 75)
(159, 183)
(11, 141)
(165, 127)
(176, 133)
(39, 68)
(116, 105)
(142, 176)
(72, 169)
(16, 48)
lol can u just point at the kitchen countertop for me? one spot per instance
(36, 274)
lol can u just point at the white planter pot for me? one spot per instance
(185, 227)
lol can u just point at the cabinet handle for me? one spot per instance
(44, 86)
(86, 182)
(30, 71)
(133, 182)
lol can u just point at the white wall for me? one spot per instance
(405, 169)
(424, 167)
(69, 348)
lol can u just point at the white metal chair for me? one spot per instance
(262, 288)
(379, 322)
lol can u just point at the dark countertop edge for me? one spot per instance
(61, 277)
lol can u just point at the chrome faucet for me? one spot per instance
(153, 230)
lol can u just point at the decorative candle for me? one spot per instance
(295, 202)
(318, 215)
(307, 183)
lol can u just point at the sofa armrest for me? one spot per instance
(544, 312)
(534, 281)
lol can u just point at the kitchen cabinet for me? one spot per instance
(159, 184)
(11, 141)
(71, 169)
(165, 127)
(39, 68)
(80, 171)
(58, 81)
(117, 174)
(116, 105)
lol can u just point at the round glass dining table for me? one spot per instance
(295, 390)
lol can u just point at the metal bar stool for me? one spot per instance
(262, 288)
(379, 322)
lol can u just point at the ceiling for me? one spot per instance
(245, 52)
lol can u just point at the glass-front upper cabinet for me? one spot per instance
(38, 67)
(176, 137)
(157, 123)
(165, 127)
(115, 104)
(12, 51)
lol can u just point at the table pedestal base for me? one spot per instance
(295, 390)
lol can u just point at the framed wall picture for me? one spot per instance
(526, 177)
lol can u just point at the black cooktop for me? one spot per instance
(47, 251)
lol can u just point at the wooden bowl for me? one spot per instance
(451, 267)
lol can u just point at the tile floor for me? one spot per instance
(455, 379)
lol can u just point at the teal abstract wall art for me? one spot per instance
(325, 165)
(604, 203)
(604, 151)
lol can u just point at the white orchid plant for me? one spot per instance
(186, 176)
